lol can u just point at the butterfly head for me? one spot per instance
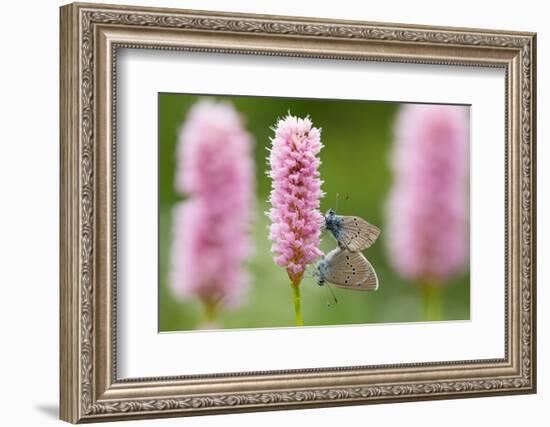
(320, 271)
(333, 222)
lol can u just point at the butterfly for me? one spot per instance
(351, 232)
(347, 270)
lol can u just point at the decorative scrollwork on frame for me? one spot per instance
(304, 396)
(87, 211)
(92, 17)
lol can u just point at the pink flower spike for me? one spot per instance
(428, 206)
(295, 195)
(211, 229)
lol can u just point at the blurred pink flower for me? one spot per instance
(295, 195)
(428, 205)
(211, 229)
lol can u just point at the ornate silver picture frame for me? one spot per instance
(91, 35)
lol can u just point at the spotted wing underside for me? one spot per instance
(351, 270)
(356, 234)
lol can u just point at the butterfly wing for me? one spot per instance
(371, 281)
(350, 270)
(356, 234)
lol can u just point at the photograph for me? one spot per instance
(285, 212)
(268, 212)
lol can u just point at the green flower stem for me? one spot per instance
(210, 312)
(432, 300)
(297, 304)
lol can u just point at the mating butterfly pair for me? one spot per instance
(345, 266)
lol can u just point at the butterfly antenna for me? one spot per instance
(346, 199)
(333, 295)
(337, 201)
(328, 301)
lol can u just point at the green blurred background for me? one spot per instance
(355, 163)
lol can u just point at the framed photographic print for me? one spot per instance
(266, 212)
